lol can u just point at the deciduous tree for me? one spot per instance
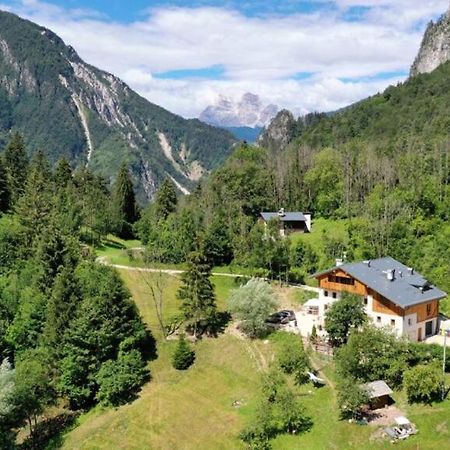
(342, 317)
(252, 304)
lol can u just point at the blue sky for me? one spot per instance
(128, 11)
(305, 55)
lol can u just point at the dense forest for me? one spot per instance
(69, 331)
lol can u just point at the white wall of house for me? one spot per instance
(308, 221)
(403, 326)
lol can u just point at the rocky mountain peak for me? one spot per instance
(248, 111)
(279, 132)
(435, 47)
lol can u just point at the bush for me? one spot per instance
(278, 412)
(184, 356)
(351, 398)
(423, 383)
(296, 275)
(252, 304)
(121, 379)
(292, 358)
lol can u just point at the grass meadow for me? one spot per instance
(196, 409)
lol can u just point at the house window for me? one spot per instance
(341, 280)
(378, 319)
(392, 322)
(325, 293)
(409, 322)
(366, 300)
(429, 309)
(334, 295)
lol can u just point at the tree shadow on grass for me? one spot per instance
(49, 432)
(223, 318)
(108, 243)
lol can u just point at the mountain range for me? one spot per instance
(244, 118)
(67, 107)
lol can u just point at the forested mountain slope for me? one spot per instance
(413, 113)
(66, 107)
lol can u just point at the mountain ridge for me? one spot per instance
(67, 107)
(435, 47)
(249, 111)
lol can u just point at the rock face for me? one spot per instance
(69, 108)
(280, 132)
(249, 111)
(435, 48)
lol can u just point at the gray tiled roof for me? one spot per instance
(407, 289)
(288, 216)
(377, 389)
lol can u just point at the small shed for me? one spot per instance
(379, 394)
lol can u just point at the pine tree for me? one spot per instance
(5, 194)
(183, 356)
(94, 203)
(35, 204)
(16, 165)
(61, 309)
(197, 295)
(165, 200)
(124, 202)
(63, 173)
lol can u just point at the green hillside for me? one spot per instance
(66, 107)
(413, 114)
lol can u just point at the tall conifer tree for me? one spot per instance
(16, 165)
(124, 202)
(35, 204)
(63, 173)
(197, 294)
(5, 194)
(166, 200)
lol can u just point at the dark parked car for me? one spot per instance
(281, 317)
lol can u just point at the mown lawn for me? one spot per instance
(194, 409)
(180, 410)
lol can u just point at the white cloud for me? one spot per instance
(259, 54)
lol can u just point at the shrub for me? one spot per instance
(423, 383)
(184, 356)
(313, 337)
(351, 398)
(292, 358)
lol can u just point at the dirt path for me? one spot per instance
(317, 365)
(103, 260)
(250, 346)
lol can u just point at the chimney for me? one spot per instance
(390, 274)
(281, 212)
(339, 262)
(367, 262)
(410, 271)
